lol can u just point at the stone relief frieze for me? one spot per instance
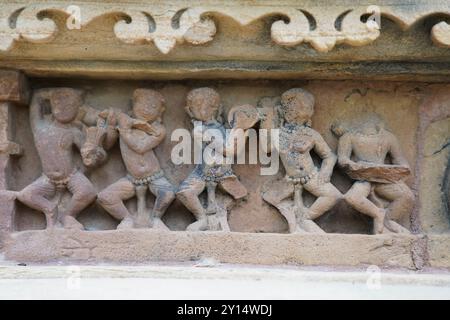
(88, 157)
(66, 128)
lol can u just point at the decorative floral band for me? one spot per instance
(169, 24)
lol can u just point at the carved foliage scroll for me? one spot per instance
(171, 24)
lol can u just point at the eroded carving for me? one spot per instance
(204, 107)
(189, 27)
(363, 153)
(20, 21)
(55, 135)
(323, 32)
(297, 141)
(367, 152)
(139, 135)
(440, 34)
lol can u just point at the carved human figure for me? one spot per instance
(55, 135)
(363, 152)
(296, 142)
(204, 107)
(139, 136)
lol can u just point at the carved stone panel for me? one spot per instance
(249, 132)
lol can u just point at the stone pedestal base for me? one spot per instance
(144, 246)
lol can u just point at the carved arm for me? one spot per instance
(139, 144)
(396, 152)
(328, 157)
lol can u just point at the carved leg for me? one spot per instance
(395, 227)
(222, 217)
(36, 196)
(211, 190)
(357, 198)
(188, 194)
(287, 210)
(327, 196)
(302, 213)
(230, 185)
(83, 194)
(402, 202)
(111, 199)
(298, 198)
(142, 218)
(165, 194)
(275, 197)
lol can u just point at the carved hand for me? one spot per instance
(348, 164)
(125, 122)
(146, 127)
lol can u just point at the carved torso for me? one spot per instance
(139, 165)
(295, 147)
(371, 148)
(54, 144)
(214, 159)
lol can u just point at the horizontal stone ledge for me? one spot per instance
(144, 246)
(234, 70)
(196, 271)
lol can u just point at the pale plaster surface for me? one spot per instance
(216, 283)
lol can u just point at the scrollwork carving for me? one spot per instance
(440, 34)
(169, 28)
(168, 25)
(323, 33)
(27, 23)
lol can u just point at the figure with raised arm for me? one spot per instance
(204, 107)
(55, 136)
(139, 136)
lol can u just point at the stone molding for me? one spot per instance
(166, 25)
(225, 247)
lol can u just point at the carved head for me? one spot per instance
(203, 104)
(65, 103)
(297, 106)
(370, 123)
(148, 104)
